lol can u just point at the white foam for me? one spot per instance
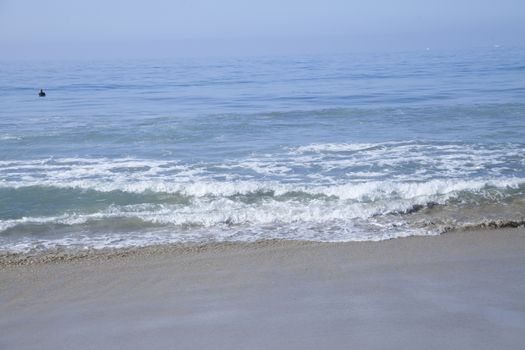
(320, 191)
(6, 137)
(330, 231)
(312, 164)
(213, 205)
(359, 191)
(333, 147)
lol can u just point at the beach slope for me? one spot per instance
(460, 290)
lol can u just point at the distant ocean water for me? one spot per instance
(325, 148)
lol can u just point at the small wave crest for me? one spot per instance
(344, 213)
(361, 192)
(320, 192)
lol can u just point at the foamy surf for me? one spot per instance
(315, 192)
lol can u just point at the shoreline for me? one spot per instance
(63, 255)
(456, 290)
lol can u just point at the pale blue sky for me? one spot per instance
(163, 28)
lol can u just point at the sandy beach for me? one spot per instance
(460, 290)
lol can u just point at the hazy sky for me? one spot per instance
(158, 28)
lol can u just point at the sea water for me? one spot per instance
(325, 148)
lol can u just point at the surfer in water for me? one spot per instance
(42, 93)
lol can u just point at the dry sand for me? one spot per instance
(463, 290)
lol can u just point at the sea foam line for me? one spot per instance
(370, 190)
(341, 203)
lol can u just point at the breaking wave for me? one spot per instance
(322, 192)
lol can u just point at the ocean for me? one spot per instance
(357, 147)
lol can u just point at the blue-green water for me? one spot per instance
(356, 147)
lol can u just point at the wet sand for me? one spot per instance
(460, 290)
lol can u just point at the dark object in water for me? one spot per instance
(42, 93)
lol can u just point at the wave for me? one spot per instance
(315, 163)
(330, 231)
(363, 191)
(227, 204)
(324, 192)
